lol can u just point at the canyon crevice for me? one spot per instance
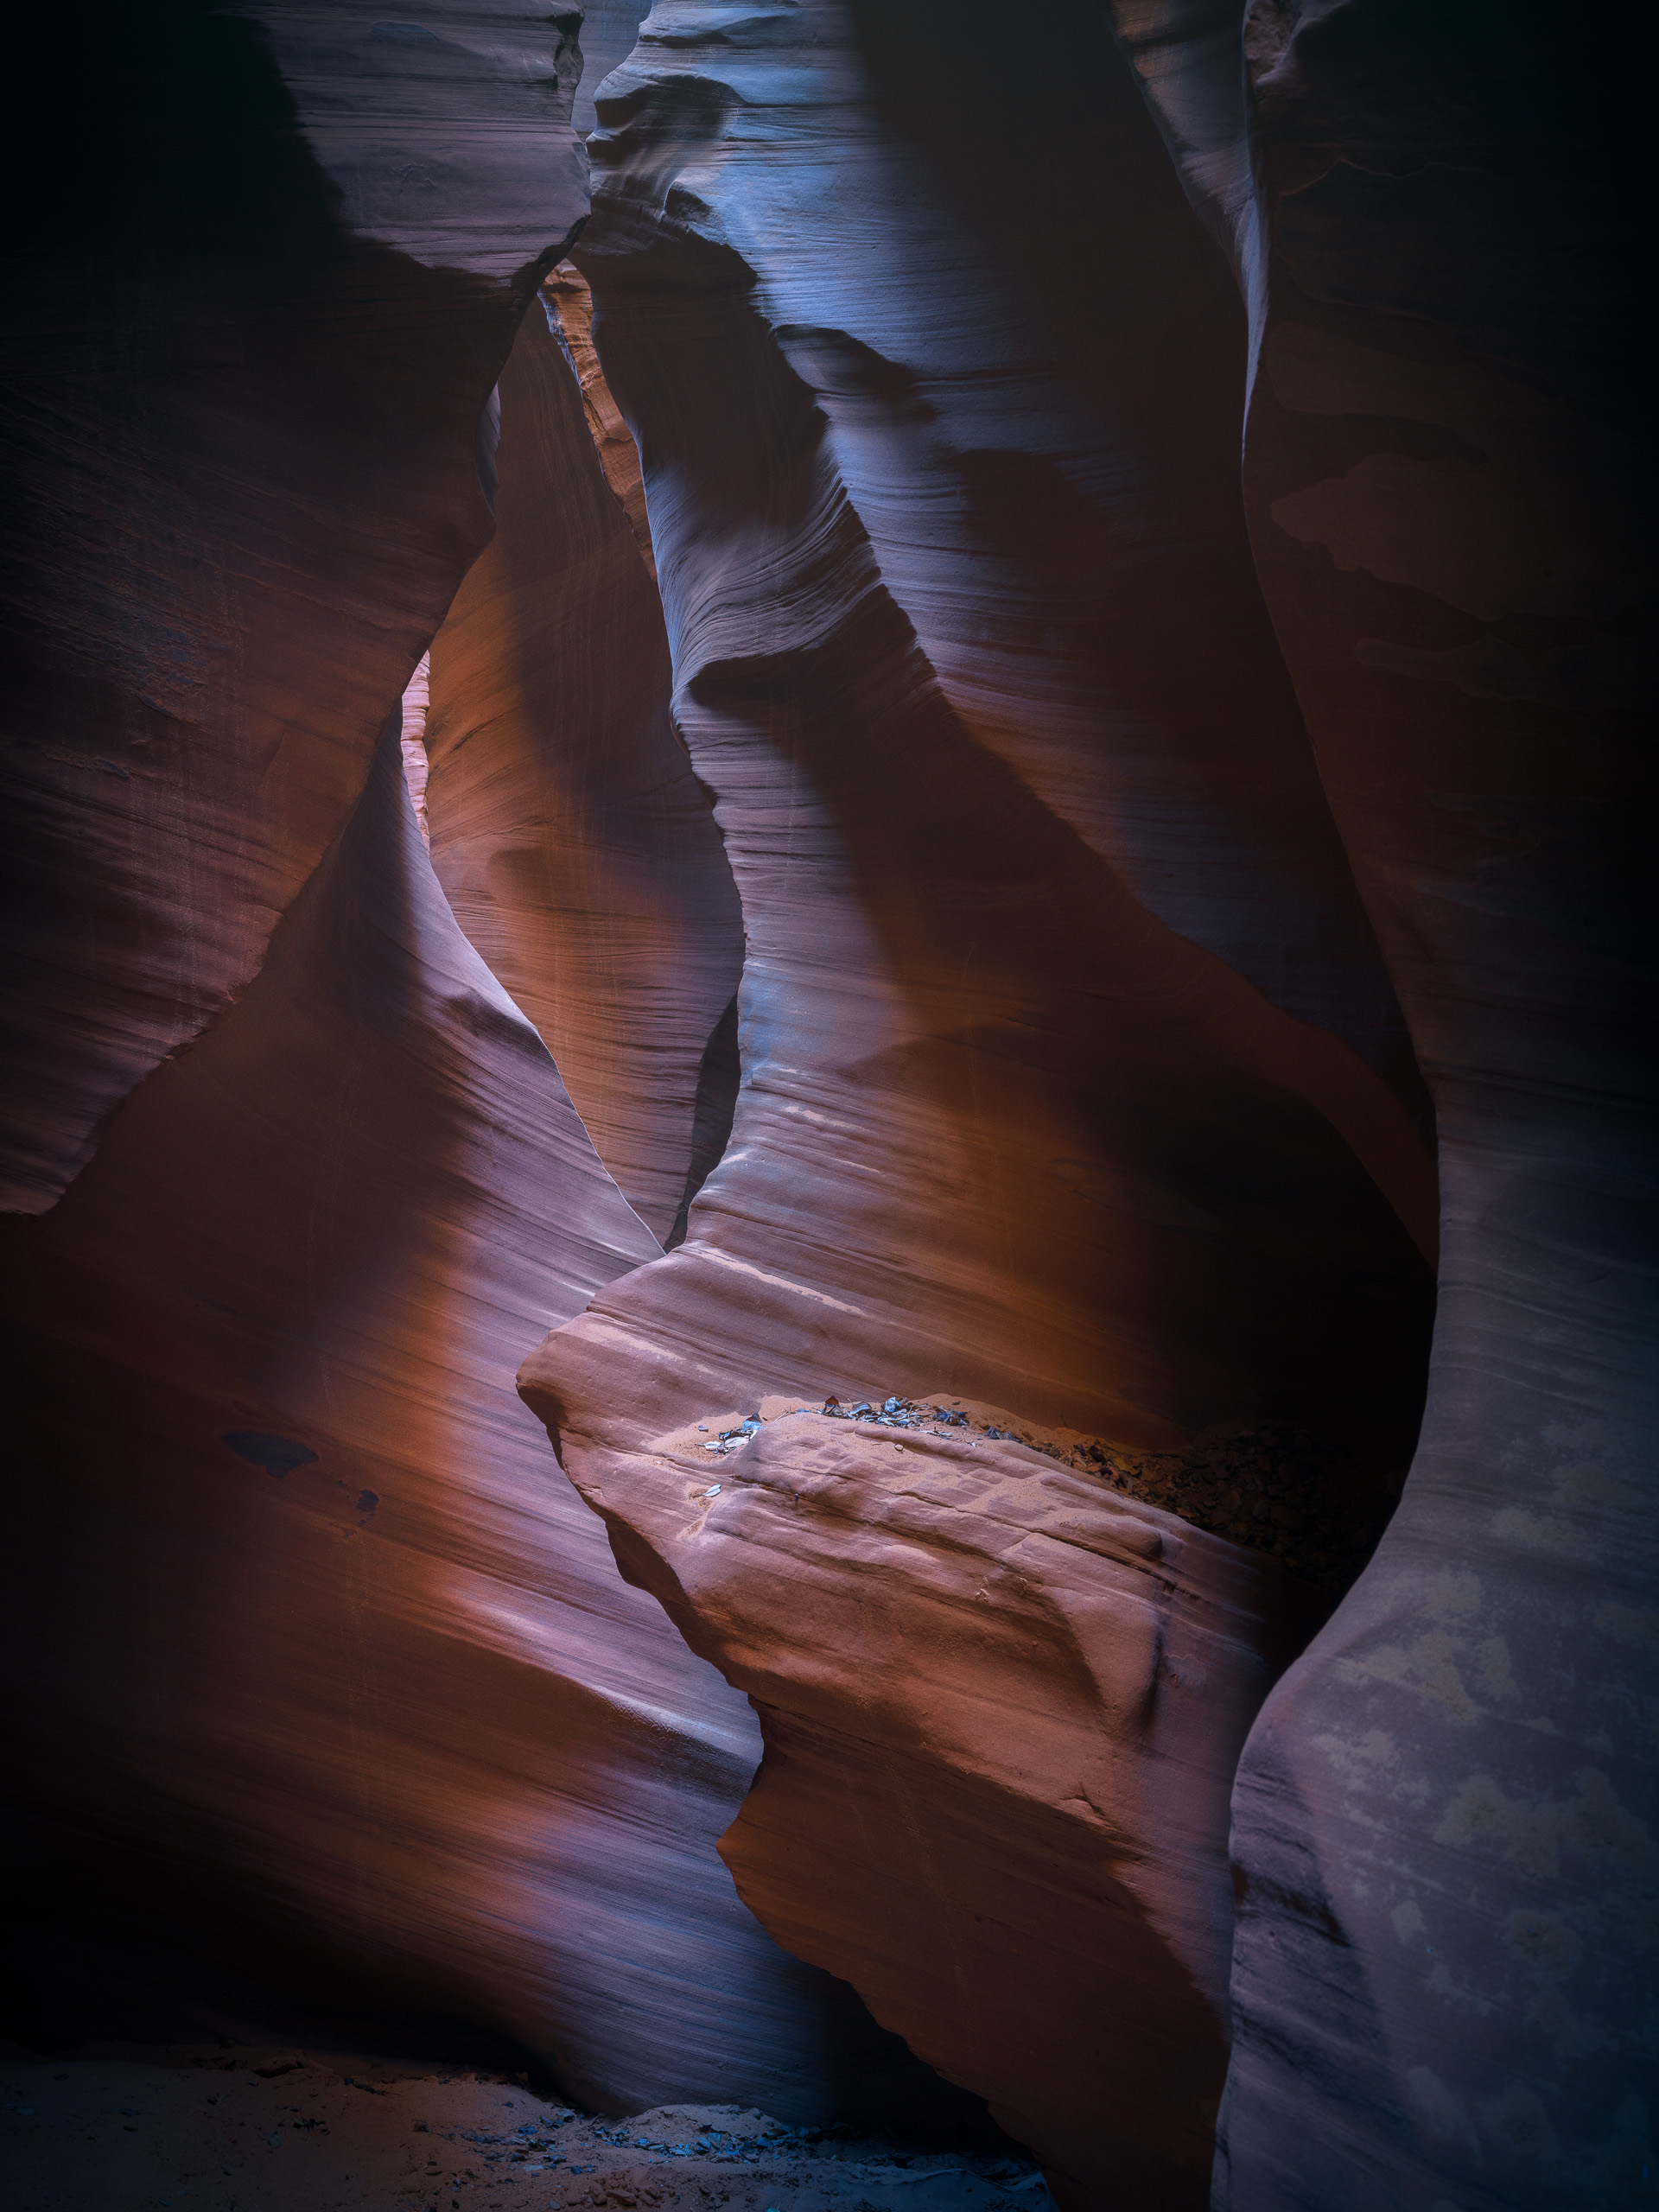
(887, 760)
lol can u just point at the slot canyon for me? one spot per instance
(830, 1106)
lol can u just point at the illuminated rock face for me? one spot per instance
(371, 1709)
(324, 1662)
(1042, 930)
(1437, 1825)
(274, 263)
(577, 849)
(1156, 909)
(1002, 1709)
(958, 1018)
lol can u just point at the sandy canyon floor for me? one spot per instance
(130, 2128)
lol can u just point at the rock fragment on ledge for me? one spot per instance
(1002, 1705)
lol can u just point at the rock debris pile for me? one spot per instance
(229, 2130)
(1275, 1489)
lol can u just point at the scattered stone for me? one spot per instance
(1277, 1489)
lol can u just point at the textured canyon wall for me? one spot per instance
(1447, 1818)
(1002, 1707)
(1169, 911)
(263, 269)
(578, 848)
(966, 487)
(1072, 1079)
(358, 1699)
(925, 927)
(1036, 424)
(323, 1675)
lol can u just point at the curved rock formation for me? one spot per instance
(318, 1659)
(1163, 904)
(1001, 1711)
(274, 261)
(784, 563)
(1438, 458)
(1036, 420)
(945, 983)
(1021, 1114)
(578, 848)
(346, 1658)
(570, 307)
(1438, 464)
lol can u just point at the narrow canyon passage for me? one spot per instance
(827, 1110)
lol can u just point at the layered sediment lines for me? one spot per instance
(273, 264)
(1448, 1814)
(579, 852)
(322, 1668)
(1027, 1111)
(356, 1692)
(1001, 1708)
(1167, 912)
(1036, 417)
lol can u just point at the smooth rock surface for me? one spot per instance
(1002, 1706)
(263, 269)
(316, 1657)
(1448, 1818)
(577, 847)
(1035, 414)
(1021, 1112)
(956, 1021)
(1173, 909)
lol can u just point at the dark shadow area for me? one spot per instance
(719, 1076)
(122, 1946)
(126, 1950)
(1136, 555)
(161, 131)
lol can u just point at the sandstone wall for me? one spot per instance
(1058, 594)
(327, 1692)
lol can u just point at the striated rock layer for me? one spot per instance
(1445, 1837)
(262, 272)
(1133, 870)
(1028, 361)
(320, 1665)
(578, 848)
(1039, 1104)
(355, 1689)
(1001, 1708)
(1448, 1818)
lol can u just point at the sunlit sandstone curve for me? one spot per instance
(1010, 966)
